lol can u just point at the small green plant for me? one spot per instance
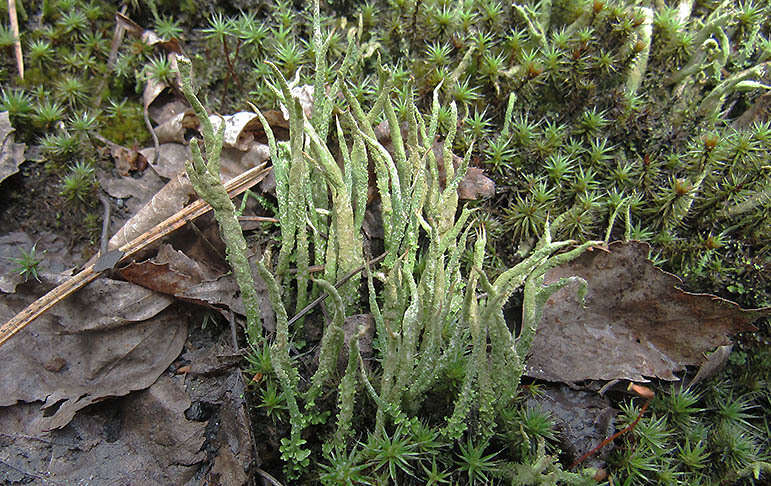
(95, 43)
(83, 122)
(289, 56)
(393, 456)
(272, 402)
(478, 466)
(27, 263)
(220, 29)
(72, 21)
(48, 112)
(159, 69)
(260, 363)
(536, 424)
(17, 103)
(79, 183)
(61, 146)
(168, 28)
(343, 468)
(680, 405)
(71, 90)
(435, 476)
(7, 39)
(39, 51)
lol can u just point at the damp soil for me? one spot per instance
(30, 201)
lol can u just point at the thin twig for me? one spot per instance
(258, 219)
(26, 473)
(311, 269)
(105, 225)
(233, 331)
(40, 439)
(267, 476)
(117, 40)
(607, 386)
(16, 38)
(612, 437)
(156, 144)
(323, 296)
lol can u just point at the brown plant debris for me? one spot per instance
(11, 153)
(635, 323)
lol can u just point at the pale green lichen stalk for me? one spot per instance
(205, 177)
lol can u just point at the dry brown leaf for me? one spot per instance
(235, 161)
(304, 94)
(276, 120)
(152, 90)
(143, 438)
(171, 158)
(636, 323)
(178, 191)
(113, 337)
(475, 185)
(582, 420)
(167, 106)
(167, 201)
(127, 159)
(239, 130)
(716, 361)
(235, 453)
(134, 192)
(173, 128)
(10, 247)
(55, 254)
(174, 273)
(11, 153)
(171, 272)
(179, 426)
(141, 188)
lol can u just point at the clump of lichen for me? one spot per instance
(649, 113)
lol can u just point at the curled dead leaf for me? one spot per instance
(476, 185)
(636, 322)
(11, 153)
(109, 339)
(304, 94)
(173, 129)
(171, 158)
(127, 160)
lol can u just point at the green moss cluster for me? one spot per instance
(618, 105)
(66, 44)
(714, 433)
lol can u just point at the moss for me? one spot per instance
(128, 129)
